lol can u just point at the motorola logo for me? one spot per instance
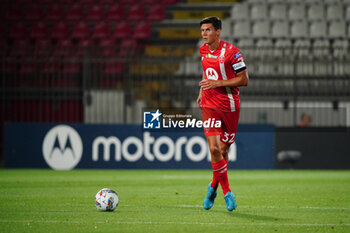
(62, 148)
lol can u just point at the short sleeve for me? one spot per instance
(237, 61)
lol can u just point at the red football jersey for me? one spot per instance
(221, 64)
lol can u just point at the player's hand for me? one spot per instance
(199, 101)
(209, 84)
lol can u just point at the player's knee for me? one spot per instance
(215, 150)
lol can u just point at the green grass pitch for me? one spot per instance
(171, 201)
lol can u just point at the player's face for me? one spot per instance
(209, 34)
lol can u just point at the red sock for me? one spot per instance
(220, 175)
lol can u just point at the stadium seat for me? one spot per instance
(316, 12)
(239, 11)
(34, 12)
(28, 66)
(258, 11)
(127, 2)
(169, 2)
(108, 47)
(128, 48)
(43, 48)
(265, 48)
(299, 29)
(156, 13)
(14, 13)
(283, 49)
(109, 2)
(3, 30)
(3, 47)
(54, 12)
(261, 29)
(280, 29)
(241, 29)
(95, 13)
(64, 48)
(75, 12)
(136, 12)
(101, 30)
(334, 12)
(81, 30)
(278, 11)
(59, 30)
(318, 29)
(113, 67)
(337, 29)
(142, 30)
(18, 30)
(246, 46)
(20, 48)
(116, 12)
(151, 3)
(121, 30)
(39, 30)
(297, 12)
(226, 31)
(87, 1)
(347, 12)
(321, 51)
(340, 48)
(71, 65)
(51, 66)
(85, 47)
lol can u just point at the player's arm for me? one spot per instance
(199, 99)
(241, 79)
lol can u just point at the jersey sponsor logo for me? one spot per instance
(211, 56)
(238, 66)
(211, 74)
(237, 55)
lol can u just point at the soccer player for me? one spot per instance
(219, 98)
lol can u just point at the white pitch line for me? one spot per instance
(180, 223)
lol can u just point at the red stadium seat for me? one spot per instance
(88, 1)
(169, 2)
(136, 12)
(64, 48)
(81, 30)
(71, 66)
(43, 48)
(107, 1)
(20, 48)
(39, 30)
(34, 12)
(142, 30)
(156, 13)
(85, 46)
(112, 68)
(127, 2)
(128, 47)
(152, 3)
(18, 30)
(121, 30)
(75, 12)
(29, 67)
(60, 30)
(108, 47)
(24, 1)
(54, 12)
(3, 47)
(95, 13)
(116, 12)
(51, 66)
(14, 12)
(101, 30)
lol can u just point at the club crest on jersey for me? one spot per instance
(222, 59)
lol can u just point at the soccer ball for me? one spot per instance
(106, 200)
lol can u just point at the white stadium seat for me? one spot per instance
(258, 11)
(278, 11)
(240, 11)
(299, 29)
(334, 12)
(241, 29)
(316, 12)
(337, 29)
(318, 29)
(297, 12)
(280, 29)
(261, 29)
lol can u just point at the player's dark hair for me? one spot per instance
(213, 20)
